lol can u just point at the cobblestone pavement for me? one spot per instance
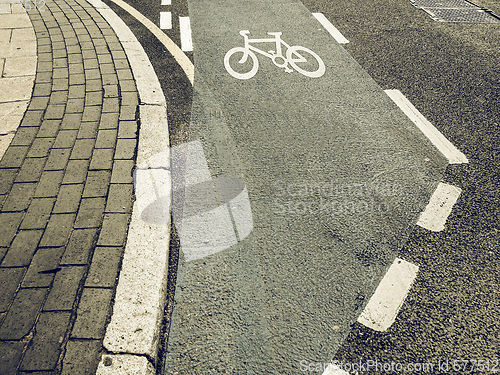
(66, 195)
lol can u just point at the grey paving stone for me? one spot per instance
(124, 74)
(77, 79)
(24, 136)
(111, 91)
(102, 159)
(92, 313)
(125, 148)
(42, 89)
(114, 230)
(54, 112)
(7, 177)
(105, 59)
(58, 97)
(58, 159)
(82, 149)
(120, 198)
(88, 130)
(89, 54)
(60, 84)
(80, 244)
(19, 197)
(93, 98)
(31, 170)
(71, 121)
(75, 59)
(38, 213)
(90, 213)
(43, 267)
(76, 91)
(44, 350)
(63, 292)
(97, 184)
(109, 79)
(65, 139)
(49, 184)
(22, 314)
(81, 358)
(32, 118)
(76, 172)
(40, 147)
(59, 53)
(104, 269)
(68, 199)
(127, 129)
(93, 85)
(75, 105)
(106, 138)
(122, 172)
(92, 69)
(49, 128)
(128, 85)
(10, 354)
(58, 230)
(121, 63)
(91, 113)
(107, 68)
(109, 121)
(44, 56)
(9, 222)
(110, 105)
(40, 102)
(10, 279)
(128, 112)
(43, 77)
(43, 66)
(14, 157)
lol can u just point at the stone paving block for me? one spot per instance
(60, 73)
(109, 121)
(127, 129)
(43, 66)
(105, 266)
(68, 199)
(22, 314)
(107, 68)
(80, 358)
(106, 138)
(43, 267)
(77, 79)
(40, 147)
(93, 98)
(43, 77)
(42, 89)
(89, 54)
(7, 177)
(44, 350)
(110, 105)
(45, 56)
(121, 63)
(10, 354)
(124, 74)
(31, 169)
(92, 72)
(75, 105)
(60, 84)
(65, 139)
(122, 172)
(49, 128)
(63, 292)
(58, 159)
(120, 198)
(93, 85)
(9, 222)
(90, 213)
(92, 313)
(39, 102)
(114, 230)
(49, 184)
(79, 246)
(88, 130)
(19, 197)
(58, 97)
(83, 148)
(128, 85)
(125, 148)
(32, 118)
(58, 230)
(130, 98)
(14, 157)
(111, 91)
(102, 159)
(109, 79)
(54, 112)
(38, 213)
(22, 249)
(91, 113)
(71, 121)
(76, 91)
(105, 59)
(24, 136)
(10, 279)
(75, 59)
(128, 112)
(76, 172)
(97, 184)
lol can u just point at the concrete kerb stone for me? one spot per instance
(133, 332)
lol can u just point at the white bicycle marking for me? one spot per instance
(293, 56)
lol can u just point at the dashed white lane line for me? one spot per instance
(384, 305)
(439, 208)
(330, 28)
(186, 41)
(453, 155)
(166, 2)
(165, 20)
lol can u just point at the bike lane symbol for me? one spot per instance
(302, 59)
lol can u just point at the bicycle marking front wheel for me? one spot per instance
(229, 59)
(294, 56)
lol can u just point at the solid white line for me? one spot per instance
(166, 2)
(453, 155)
(165, 20)
(439, 208)
(330, 28)
(186, 41)
(383, 307)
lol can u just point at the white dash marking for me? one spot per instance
(165, 20)
(453, 155)
(166, 2)
(332, 369)
(383, 307)
(330, 28)
(186, 41)
(439, 208)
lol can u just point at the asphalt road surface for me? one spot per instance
(450, 72)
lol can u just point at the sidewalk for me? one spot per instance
(66, 190)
